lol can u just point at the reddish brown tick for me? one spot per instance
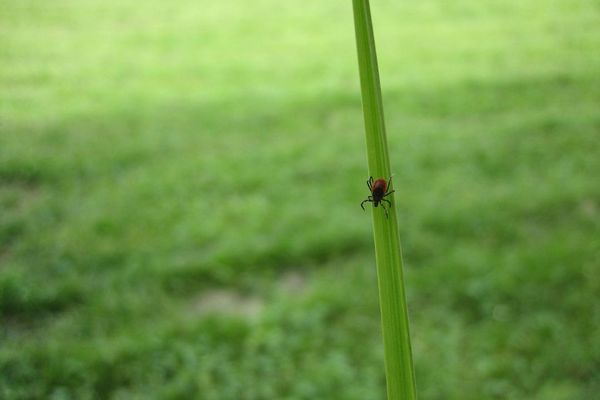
(379, 190)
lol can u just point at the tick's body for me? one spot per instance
(379, 190)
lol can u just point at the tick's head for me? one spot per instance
(375, 203)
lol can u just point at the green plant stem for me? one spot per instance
(394, 315)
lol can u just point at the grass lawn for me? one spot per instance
(180, 186)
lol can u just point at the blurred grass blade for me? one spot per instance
(394, 315)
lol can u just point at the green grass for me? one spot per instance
(180, 189)
(399, 369)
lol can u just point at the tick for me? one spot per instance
(379, 191)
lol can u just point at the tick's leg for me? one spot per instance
(385, 210)
(388, 193)
(389, 205)
(389, 182)
(362, 205)
(369, 184)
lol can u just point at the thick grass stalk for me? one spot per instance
(394, 316)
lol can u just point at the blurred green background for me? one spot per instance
(180, 186)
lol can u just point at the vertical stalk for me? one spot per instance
(394, 316)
